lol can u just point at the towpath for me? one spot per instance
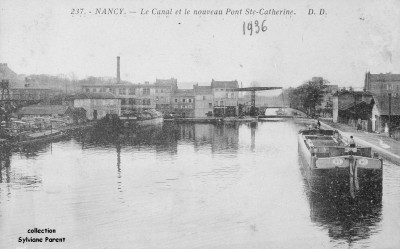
(387, 147)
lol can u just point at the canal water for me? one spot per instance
(183, 186)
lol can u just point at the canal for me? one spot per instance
(183, 186)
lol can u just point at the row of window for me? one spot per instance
(387, 87)
(145, 91)
(184, 100)
(223, 89)
(183, 107)
(121, 91)
(135, 101)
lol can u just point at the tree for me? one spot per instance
(307, 96)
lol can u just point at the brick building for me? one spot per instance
(382, 84)
(225, 98)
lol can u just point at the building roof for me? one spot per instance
(184, 93)
(383, 77)
(202, 90)
(105, 95)
(30, 87)
(342, 92)
(43, 110)
(224, 84)
(382, 103)
(350, 106)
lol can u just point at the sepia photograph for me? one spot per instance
(173, 124)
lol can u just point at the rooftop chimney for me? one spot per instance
(118, 71)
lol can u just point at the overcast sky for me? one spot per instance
(43, 37)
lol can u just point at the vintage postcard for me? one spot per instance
(199, 124)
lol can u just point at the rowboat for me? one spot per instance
(330, 164)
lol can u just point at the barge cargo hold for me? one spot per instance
(331, 166)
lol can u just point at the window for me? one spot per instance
(146, 91)
(132, 91)
(227, 95)
(122, 91)
(123, 101)
(176, 100)
(131, 101)
(184, 100)
(87, 90)
(94, 90)
(209, 105)
(156, 98)
(190, 100)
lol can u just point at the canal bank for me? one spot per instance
(213, 120)
(387, 147)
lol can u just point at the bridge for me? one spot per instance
(253, 91)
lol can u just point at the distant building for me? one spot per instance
(98, 105)
(380, 113)
(73, 115)
(183, 103)
(352, 107)
(139, 96)
(164, 89)
(225, 98)
(204, 101)
(30, 93)
(382, 84)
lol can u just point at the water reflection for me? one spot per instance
(166, 137)
(5, 163)
(176, 185)
(345, 218)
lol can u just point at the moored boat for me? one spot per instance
(37, 137)
(144, 118)
(330, 164)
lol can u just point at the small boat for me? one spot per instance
(25, 138)
(329, 164)
(144, 118)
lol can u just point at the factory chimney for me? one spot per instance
(118, 71)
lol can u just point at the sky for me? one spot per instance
(42, 37)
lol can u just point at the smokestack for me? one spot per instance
(118, 71)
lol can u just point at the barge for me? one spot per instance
(145, 118)
(331, 165)
(27, 138)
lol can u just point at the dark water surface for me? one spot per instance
(184, 186)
